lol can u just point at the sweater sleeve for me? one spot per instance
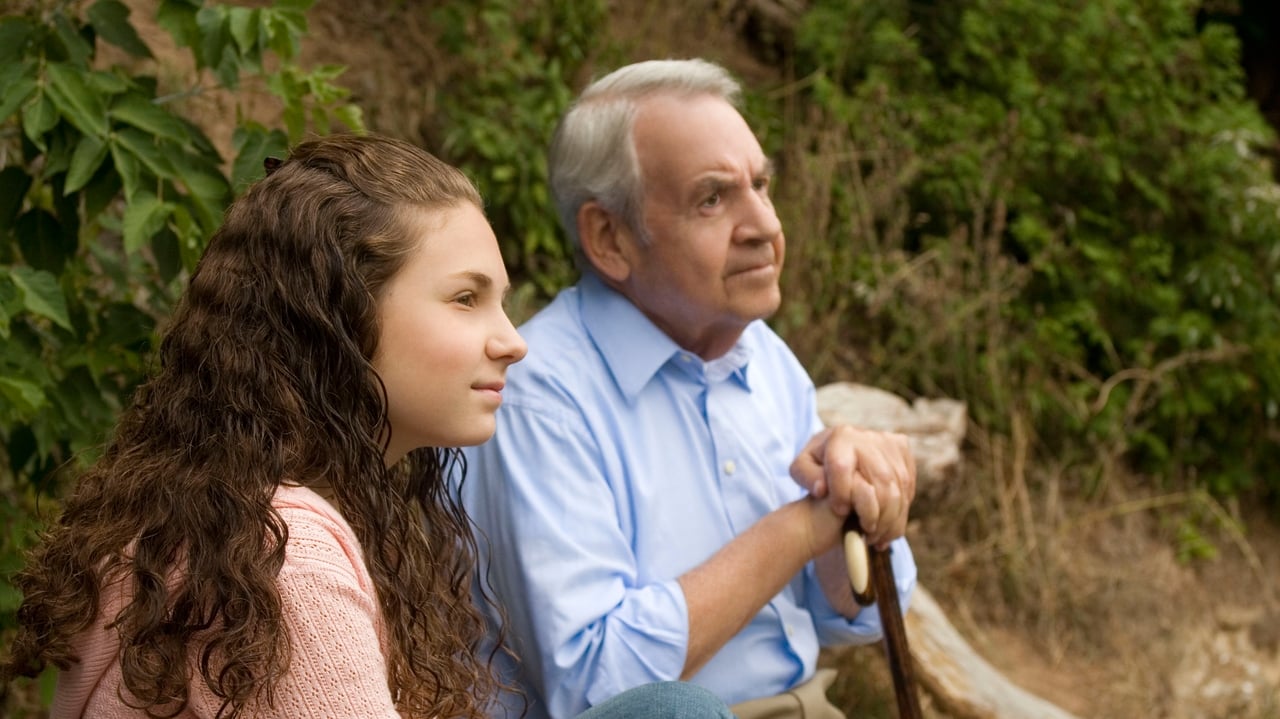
(337, 666)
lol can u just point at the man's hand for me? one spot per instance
(864, 471)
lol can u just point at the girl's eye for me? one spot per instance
(467, 298)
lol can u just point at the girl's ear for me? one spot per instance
(606, 241)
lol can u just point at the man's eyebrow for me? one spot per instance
(718, 181)
(712, 183)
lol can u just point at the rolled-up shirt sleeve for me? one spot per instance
(836, 630)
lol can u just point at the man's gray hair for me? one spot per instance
(592, 155)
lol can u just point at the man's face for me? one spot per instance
(715, 245)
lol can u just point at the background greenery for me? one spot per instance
(1064, 213)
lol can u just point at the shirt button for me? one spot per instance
(729, 467)
(789, 630)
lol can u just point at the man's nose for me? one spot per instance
(760, 221)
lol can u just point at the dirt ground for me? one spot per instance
(1085, 603)
(1107, 621)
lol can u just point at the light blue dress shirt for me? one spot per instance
(620, 462)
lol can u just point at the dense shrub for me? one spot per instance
(1055, 211)
(108, 194)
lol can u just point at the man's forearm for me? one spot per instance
(726, 591)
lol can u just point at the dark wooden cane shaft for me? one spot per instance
(895, 634)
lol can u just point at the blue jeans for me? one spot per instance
(661, 700)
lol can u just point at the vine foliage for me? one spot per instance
(108, 194)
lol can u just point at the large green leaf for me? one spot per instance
(41, 294)
(111, 19)
(115, 82)
(16, 33)
(179, 18)
(253, 145)
(38, 117)
(352, 116)
(61, 143)
(201, 178)
(243, 23)
(145, 148)
(215, 42)
(19, 81)
(144, 216)
(129, 167)
(71, 45)
(25, 396)
(144, 114)
(82, 107)
(86, 160)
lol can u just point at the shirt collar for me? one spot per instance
(635, 349)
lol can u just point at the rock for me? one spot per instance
(934, 427)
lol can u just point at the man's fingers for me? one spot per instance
(865, 502)
(867, 472)
(840, 465)
(809, 469)
(893, 517)
(886, 469)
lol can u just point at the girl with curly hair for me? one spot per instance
(270, 530)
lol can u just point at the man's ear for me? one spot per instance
(605, 241)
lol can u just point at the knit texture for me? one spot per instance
(338, 666)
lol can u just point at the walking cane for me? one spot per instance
(871, 578)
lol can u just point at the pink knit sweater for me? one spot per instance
(338, 667)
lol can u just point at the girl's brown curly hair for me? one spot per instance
(265, 378)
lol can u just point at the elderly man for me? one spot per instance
(660, 499)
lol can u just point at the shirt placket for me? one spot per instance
(746, 489)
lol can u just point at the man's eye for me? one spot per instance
(711, 200)
(761, 184)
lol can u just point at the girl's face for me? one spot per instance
(446, 341)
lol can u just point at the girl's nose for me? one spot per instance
(507, 343)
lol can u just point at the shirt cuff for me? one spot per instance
(834, 629)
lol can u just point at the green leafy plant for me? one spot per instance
(108, 194)
(518, 64)
(1059, 214)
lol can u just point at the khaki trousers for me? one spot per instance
(807, 701)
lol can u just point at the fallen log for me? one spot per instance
(962, 683)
